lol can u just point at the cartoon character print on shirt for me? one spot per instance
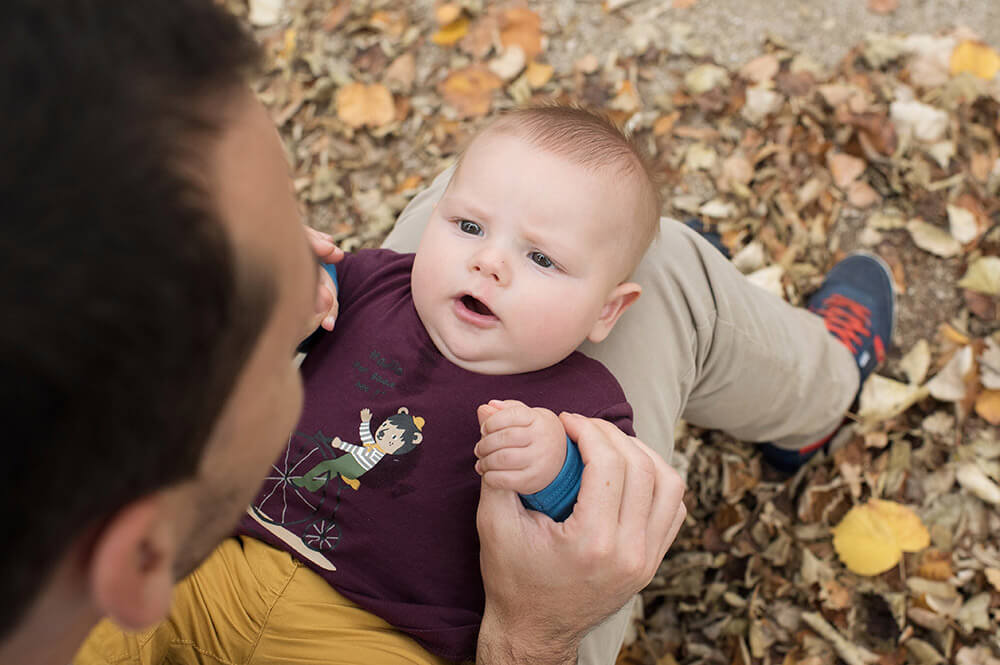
(397, 435)
(302, 500)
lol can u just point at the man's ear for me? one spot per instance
(132, 565)
(620, 299)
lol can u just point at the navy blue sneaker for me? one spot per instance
(857, 303)
(711, 236)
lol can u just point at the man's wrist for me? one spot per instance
(501, 644)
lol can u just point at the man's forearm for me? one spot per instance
(502, 646)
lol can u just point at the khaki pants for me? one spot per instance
(703, 344)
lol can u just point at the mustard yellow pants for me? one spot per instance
(250, 603)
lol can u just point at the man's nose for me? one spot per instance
(491, 264)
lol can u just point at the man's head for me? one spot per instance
(155, 283)
(528, 252)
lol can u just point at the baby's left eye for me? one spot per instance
(540, 259)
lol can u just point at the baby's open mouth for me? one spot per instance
(474, 305)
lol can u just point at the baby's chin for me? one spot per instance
(506, 365)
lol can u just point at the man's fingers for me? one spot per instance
(327, 304)
(599, 501)
(323, 246)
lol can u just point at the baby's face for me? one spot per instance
(520, 257)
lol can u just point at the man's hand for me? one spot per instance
(522, 448)
(326, 295)
(548, 583)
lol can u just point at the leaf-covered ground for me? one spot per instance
(895, 149)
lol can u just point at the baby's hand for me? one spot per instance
(521, 448)
(366, 416)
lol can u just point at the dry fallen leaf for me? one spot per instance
(359, 105)
(983, 276)
(950, 384)
(962, 224)
(872, 537)
(703, 78)
(470, 90)
(264, 13)
(988, 406)
(916, 362)
(924, 122)
(683, 4)
(538, 74)
(976, 58)
(446, 12)
(883, 6)
(933, 239)
(761, 69)
(972, 478)
(883, 398)
(844, 168)
(449, 35)
(522, 27)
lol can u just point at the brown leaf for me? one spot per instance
(683, 4)
(861, 195)
(844, 168)
(935, 565)
(359, 105)
(470, 90)
(665, 123)
(392, 23)
(402, 71)
(883, 6)
(482, 33)
(523, 27)
(980, 165)
(336, 15)
(761, 69)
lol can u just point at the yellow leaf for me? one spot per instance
(976, 58)
(538, 74)
(359, 105)
(449, 34)
(988, 406)
(470, 90)
(872, 537)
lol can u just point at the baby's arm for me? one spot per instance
(526, 450)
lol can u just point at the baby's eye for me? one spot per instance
(540, 259)
(470, 227)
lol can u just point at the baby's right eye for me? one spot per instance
(470, 227)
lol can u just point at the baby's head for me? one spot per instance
(529, 251)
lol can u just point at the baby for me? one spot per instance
(455, 361)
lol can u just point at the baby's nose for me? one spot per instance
(492, 265)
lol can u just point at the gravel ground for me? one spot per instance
(732, 30)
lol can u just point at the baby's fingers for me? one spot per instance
(505, 459)
(509, 414)
(512, 437)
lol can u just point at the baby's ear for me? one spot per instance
(620, 299)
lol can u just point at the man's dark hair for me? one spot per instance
(126, 314)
